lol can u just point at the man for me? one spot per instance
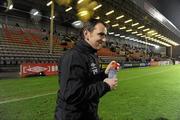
(82, 82)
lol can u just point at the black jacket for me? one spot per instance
(81, 84)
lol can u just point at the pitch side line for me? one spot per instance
(139, 76)
(26, 98)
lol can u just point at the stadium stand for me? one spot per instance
(23, 45)
(20, 45)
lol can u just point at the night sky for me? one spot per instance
(170, 9)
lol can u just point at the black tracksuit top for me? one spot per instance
(81, 80)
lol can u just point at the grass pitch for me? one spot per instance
(150, 93)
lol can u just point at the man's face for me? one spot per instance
(97, 37)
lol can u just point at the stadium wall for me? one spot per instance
(176, 53)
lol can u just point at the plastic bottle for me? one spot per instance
(113, 70)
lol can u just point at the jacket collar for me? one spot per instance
(85, 47)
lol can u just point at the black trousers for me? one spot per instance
(61, 114)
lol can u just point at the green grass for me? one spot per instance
(142, 94)
(39, 108)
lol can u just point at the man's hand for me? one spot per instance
(111, 82)
(109, 66)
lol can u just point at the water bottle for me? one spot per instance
(113, 71)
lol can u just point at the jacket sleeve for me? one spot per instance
(73, 83)
(102, 75)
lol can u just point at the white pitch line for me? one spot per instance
(26, 98)
(152, 73)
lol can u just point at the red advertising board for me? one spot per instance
(30, 69)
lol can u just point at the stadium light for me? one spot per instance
(110, 12)
(108, 21)
(134, 32)
(160, 42)
(141, 27)
(129, 30)
(152, 31)
(132, 39)
(68, 9)
(158, 35)
(115, 25)
(139, 34)
(154, 34)
(35, 13)
(80, 1)
(77, 24)
(10, 7)
(135, 24)
(119, 17)
(97, 7)
(127, 21)
(97, 18)
(111, 33)
(142, 42)
(171, 41)
(83, 13)
(146, 29)
(157, 47)
(117, 35)
(53, 17)
(49, 3)
(127, 37)
(143, 36)
(122, 28)
(122, 36)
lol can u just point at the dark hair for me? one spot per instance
(89, 26)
